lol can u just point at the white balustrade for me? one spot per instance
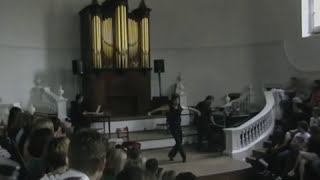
(240, 141)
(55, 102)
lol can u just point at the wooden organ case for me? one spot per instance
(115, 50)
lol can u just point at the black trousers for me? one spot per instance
(177, 135)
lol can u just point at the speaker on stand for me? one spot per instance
(159, 68)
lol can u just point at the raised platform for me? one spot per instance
(204, 165)
(154, 139)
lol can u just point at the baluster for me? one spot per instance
(249, 137)
(241, 139)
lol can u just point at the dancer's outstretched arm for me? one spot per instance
(162, 108)
(191, 109)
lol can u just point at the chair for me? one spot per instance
(123, 133)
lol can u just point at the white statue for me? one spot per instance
(61, 92)
(31, 109)
(179, 85)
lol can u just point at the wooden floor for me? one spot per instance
(204, 165)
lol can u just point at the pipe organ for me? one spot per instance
(113, 38)
(115, 51)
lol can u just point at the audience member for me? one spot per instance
(312, 153)
(87, 157)
(135, 159)
(117, 158)
(37, 146)
(13, 115)
(286, 159)
(152, 171)
(186, 176)
(315, 119)
(57, 155)
(131, 173)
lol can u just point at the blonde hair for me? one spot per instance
(57, 153)
(118, 159)
(42, 123)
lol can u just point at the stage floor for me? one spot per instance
(157, 134)
(202, 164)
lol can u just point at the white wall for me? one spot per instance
(218, 45)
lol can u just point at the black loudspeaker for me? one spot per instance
(159, 66)
(77, 67)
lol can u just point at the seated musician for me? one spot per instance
(77, 111)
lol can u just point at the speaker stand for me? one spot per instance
(159, 77)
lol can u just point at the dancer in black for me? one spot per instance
(173, 113)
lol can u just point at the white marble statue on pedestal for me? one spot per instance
(179, 90)
(179, 86)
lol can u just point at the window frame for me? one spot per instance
(313, 29)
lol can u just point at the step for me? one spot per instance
(251, 159)
(259, 153)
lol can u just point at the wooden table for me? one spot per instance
(100, 118)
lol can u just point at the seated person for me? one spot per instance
(77, 110)
(315, 119)
(38, 142)
(152, 171)
(118, 158)
(87, 157)
(312, 153)
(57, 156)
(299, 142)
(135, 159)
(131, 173)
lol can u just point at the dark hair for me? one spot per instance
(209, 98)
(13, 115)
(130, 173)
(87, 151)
(152, 165)
(186, 176)
(174, 97)
(57, 153)
(303, 125)
(38, 142)
(78, 96)
(133, 153)
(56, 123)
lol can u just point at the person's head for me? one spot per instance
(87, 153)
(38, 142)
(130, 173)
(186, 176)
(13, 115)
(302, 126)
(316, 112)
(209, 99)
(175, 100)
(79, 98)
(41, 123)
(152, 165)
(133, 153)
(169, 175)
(118, 159)
(57, 153)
